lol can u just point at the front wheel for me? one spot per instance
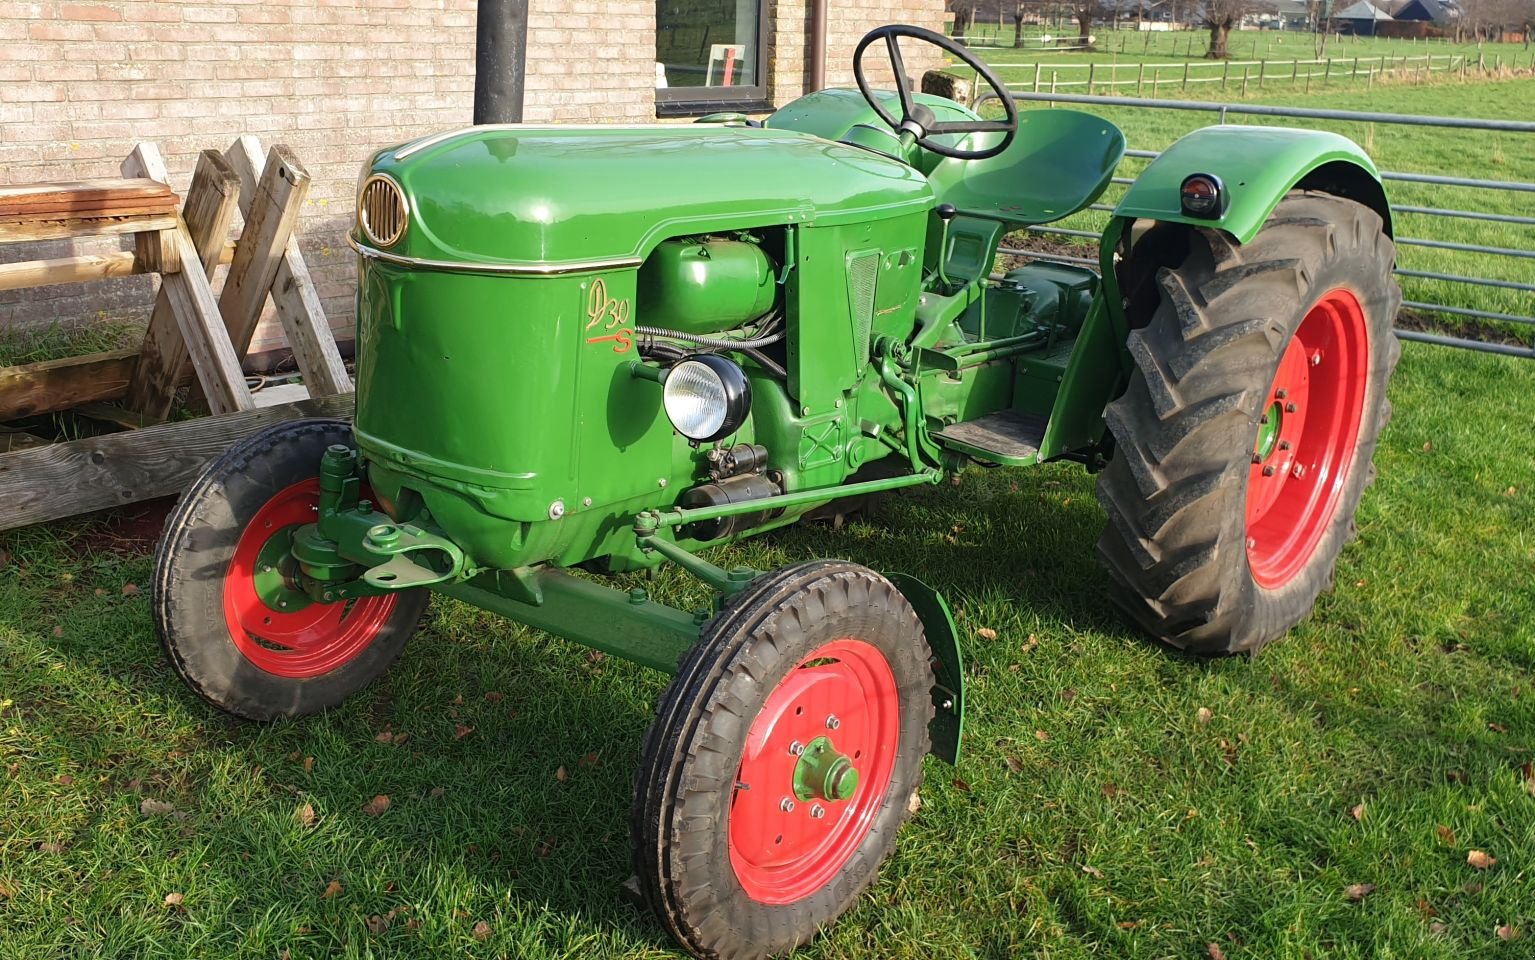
(1244, 439)
(782, 760)
(232, 622)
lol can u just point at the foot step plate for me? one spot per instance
(1011, 437)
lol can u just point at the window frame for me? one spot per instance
(686, 101)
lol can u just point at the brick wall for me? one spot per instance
(82, 82)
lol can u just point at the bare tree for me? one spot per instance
(964, 17)
(1018, 15)
(1086, 13)
(1220, 17)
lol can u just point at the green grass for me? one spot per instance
(1487, 155)
(1093, 816)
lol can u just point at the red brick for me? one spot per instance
(89, 11)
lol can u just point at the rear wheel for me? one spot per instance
(231, 620)
(1244, 439)
(783, 760)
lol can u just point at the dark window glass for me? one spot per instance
(709, 49)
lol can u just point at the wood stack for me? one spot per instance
(193, 334)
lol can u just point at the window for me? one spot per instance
(709, 55)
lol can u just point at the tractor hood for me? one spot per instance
(554, 198)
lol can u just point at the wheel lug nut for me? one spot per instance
(832, 722)
(1284, 444)
(1316, 358)
(266, 568)
(1257, 459)
(1268, 471)
(1251, 542)
(1281, 393)
(796, 748)
(1298, 471)
(1289, 408)
(817, 811)
(1264, 418)
(786, 805)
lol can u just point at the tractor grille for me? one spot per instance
(381, 210)
(862, 274)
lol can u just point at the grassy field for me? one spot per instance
(1117, 800)
(1487, 155)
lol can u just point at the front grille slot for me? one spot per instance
(381, 211)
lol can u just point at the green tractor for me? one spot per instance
(606, 348)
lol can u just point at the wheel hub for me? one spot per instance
(824, 774)
(1307, 431)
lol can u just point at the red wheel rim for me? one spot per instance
(844, 694)
(305, 639)
(1307, 436)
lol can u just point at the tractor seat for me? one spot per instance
(1060, 161)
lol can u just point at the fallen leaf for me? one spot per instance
(331, 889)
(1229, 752)
(6, 891)
(1497, 728)
(1030, 643)
(386, 736)
(436, 792)
(1013, 764)
(961, 785)
(460, 731)
(482, 931)
(544, 847)
(458, 701)
(376, 925)
(986, 633)
(1505, 931)
(151, 807)
(1128, 924)
(494, 696)
(65, 779)
(101, 591)
(1473, 888)
(1041, 736)
(1428, 446)
(1480, 860)
(1068, 695)
(58, 631)
(134, 785)
(1511, 491)
(1215, 952)
(306, 815)
(1358, 891)
(1357, 811)
(308, 764)
(1446, 835)
(1111, 790)
(595, 656)
(12, 769)
(50, 846)
(1203, 715)
(1437, 928)
(130, 589)
(1360, 583)
(414, 923)
(1092, 871)
(561, 775)
(377, 805)
(915, 803)
(589, 760)
(1425, 908)
(173, 899)
(400, 738)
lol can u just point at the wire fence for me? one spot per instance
(1517, 196)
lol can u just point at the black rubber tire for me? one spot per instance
(1185, 427)
(684, 790)
(189, 569)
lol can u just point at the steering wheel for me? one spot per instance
(918, 118)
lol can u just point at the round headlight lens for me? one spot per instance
(706, 397)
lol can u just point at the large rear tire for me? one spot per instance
(1244, 439)
(242, 637)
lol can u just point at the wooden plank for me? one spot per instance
(293, 290)
(51, 385)
(114, 414)
(67, 191)
(96, 473)
(56, 212)
(197, 314)
(39, 273)
(73, 229)
(270, 216)
(210, 206)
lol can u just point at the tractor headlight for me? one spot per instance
(706, 397)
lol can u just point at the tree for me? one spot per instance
(964, 16)
(1220, 16)
(1018, 15)
(1086, 12)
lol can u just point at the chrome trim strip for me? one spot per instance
(501, 269)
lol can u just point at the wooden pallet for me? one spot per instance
(193, 336)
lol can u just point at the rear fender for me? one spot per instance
(1257, 166)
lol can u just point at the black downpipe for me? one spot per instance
(500, 60)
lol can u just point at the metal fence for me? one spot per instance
(1519, 189)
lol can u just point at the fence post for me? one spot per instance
(1140, 78)
(1037, 68)
(1185, 75)
(1244, 81)
(1053, 75)
(1295, 70)
(1262, 69)
(1092, 71)
(1327, 73)
(1225, 72)
(1354, 74)
(1156, 80)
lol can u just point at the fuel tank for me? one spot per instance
(705, 286)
